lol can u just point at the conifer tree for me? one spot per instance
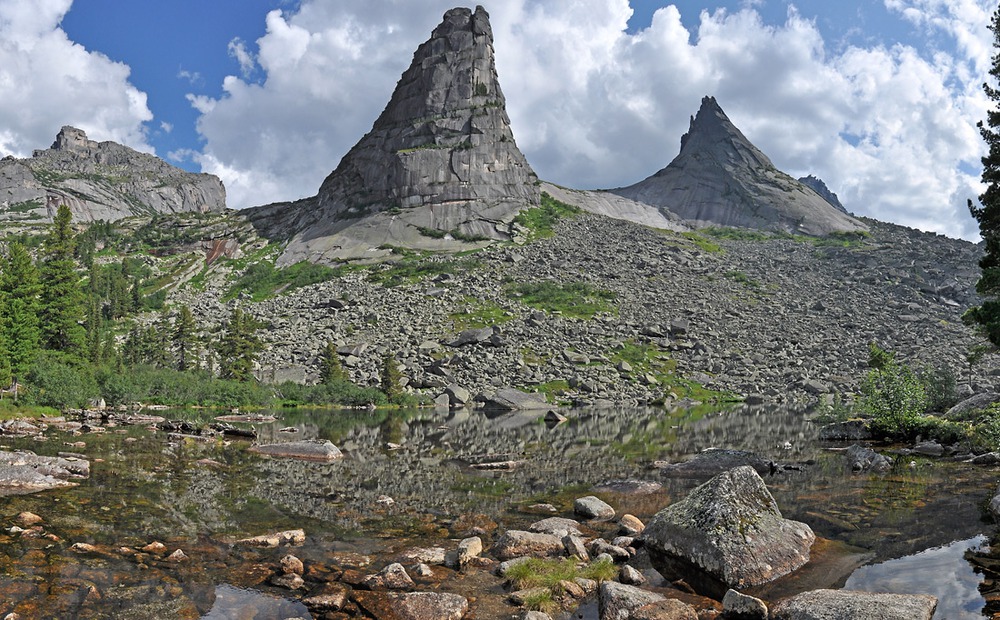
(987, 316)
(19, 307)
(239, 347)
(390, 379)
(184, 338)
(62, 300)
(330, 370)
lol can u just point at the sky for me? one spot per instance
(879, 98)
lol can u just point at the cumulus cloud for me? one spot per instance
(238, 50)
(48, 81)
(891, 129)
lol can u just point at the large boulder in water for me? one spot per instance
(307, 449)
(25, 472)
(848, 605)
(731, 529)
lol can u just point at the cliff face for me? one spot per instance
(720, 178)
(100, 181)
(439, 166)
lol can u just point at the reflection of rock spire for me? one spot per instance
(720, 178)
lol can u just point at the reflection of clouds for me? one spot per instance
(941, 572)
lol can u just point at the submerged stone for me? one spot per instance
(307, 449)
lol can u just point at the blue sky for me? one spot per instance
(878, 98)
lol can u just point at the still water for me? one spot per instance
(409, 478)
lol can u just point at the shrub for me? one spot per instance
(892, 395)
(939, 383)
(55, 383)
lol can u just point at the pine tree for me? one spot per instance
(239, 347)
(62, 299)
(390, 379)
(184, 338)
(987, 316)
(330, 370)
(19, 308)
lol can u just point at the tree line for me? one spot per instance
(65, 335)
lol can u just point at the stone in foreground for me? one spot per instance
(849, 605)
(307, 449)
(616, 601)
(731, 529)
(413, 605)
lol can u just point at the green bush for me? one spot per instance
(939, 383)
(892, 395)
(541, 221)
(53, 382)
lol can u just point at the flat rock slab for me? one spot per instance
(307, 450)
(412, 605)
(509, 399)
(517, 543)
(617, 601)
(850, 605)
(22, 473)
(731, 529)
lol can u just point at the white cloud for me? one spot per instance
(889, 129)
(48, 81)
(238, 50)
(192, 77)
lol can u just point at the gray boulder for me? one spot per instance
(591, 507)
(509, 399)
(849, 605)
(730, 528)
(517, 543)
(616, 601)
(25, 472)
(968, 408)
(413, 605)
(306, 449)
(864, 459)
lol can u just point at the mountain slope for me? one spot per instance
(438, 168)
(719, 178)
(100, 181)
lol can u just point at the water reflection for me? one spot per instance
(232, 602)
(941, 572)
(196, 496)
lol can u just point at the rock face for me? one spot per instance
(719, 178)
(730, 528)
(438, 168)
(100, 181)
(848, 605)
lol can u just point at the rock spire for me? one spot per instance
(720, 178)
(440, 163)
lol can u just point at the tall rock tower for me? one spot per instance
(439, 167)
(720, 178)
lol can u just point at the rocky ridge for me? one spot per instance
(720, 178)
(776, 319)
(439, 166)
(100, 181)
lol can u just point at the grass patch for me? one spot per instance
(263, 280)
(414, 267)
(573, 299)
(702, 243)
(541, 221)
(483, 487)
(479, 313)
(741, 278)
(843, 239)
(545, 575)
(553, 390)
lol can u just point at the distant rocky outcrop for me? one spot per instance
(820, 188)
(100, 181)
(719, 178)
(438, 169)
